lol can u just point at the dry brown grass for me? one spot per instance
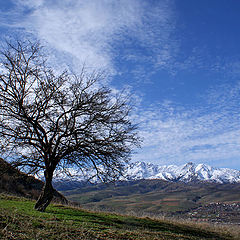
(231, 230)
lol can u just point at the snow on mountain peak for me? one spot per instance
(186, 173)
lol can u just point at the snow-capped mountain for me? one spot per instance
(186, 173)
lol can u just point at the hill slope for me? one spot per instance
(15, 182)
(19, 221)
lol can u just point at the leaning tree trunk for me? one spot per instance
(46, 195)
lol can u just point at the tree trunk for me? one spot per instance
(46, 195)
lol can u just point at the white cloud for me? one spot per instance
(203, 134)
(91, 31)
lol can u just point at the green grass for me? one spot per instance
(18, 220)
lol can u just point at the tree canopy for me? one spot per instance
(51, 120)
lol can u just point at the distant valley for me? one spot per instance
(154, 197)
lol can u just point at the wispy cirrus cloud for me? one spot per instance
(91, 31)
(107, 34)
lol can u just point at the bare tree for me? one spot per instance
(50, 121)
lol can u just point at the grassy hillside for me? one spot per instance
(152, 196)
(19, 221)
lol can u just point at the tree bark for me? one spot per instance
(46, 195)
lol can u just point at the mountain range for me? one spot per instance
(185, 173)
(188, 172)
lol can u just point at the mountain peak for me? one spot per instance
(190, 164)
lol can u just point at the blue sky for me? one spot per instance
(180, 59)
